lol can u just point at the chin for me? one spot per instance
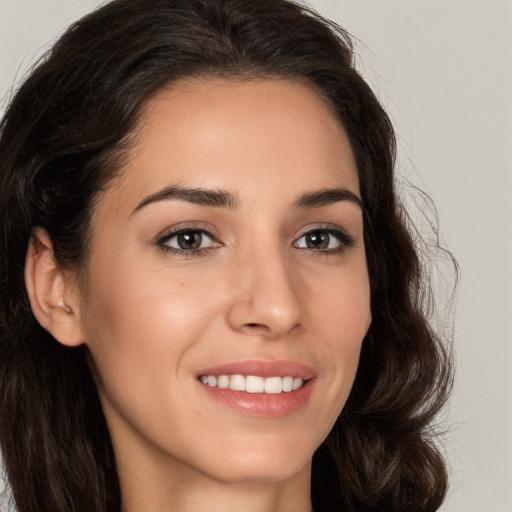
(261, 466)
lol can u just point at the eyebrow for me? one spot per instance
(224, 199)
(204, 197)
(326, 197)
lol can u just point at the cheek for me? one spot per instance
(139, 323)
(141, 326)
(141, 299)
(342, 306)
(341, 318)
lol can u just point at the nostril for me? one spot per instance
(256, 328)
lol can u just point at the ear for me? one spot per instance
(53, 293)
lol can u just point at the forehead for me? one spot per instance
(253, 136)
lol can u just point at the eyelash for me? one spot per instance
(345, 240)
(164, 240)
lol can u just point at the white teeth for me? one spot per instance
(253, 383)
(297, 383)
(274, 385)
(237, 382)
(287, 384)
(222, 381)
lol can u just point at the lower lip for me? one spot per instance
(262, 404)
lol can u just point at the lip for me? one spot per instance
(262, 368)
(261, 404)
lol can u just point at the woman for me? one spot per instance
(209, 297)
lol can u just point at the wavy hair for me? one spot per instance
(63, 138)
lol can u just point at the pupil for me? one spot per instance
(317, 240)
(189, 241)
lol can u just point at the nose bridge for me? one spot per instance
(267, 297)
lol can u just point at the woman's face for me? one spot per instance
(228, 253)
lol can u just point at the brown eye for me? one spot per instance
(317, 240)
(188, 240)
(325, 240)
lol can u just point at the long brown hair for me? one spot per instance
(63, 138)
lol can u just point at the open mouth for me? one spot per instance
(258, 387)
(253, 383)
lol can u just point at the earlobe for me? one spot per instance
(53, 297)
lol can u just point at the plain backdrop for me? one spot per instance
(443, 69)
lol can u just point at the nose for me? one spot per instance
(267, 297)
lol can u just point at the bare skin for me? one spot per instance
(276, 272)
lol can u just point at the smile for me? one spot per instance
(259, 388)
(253, 383)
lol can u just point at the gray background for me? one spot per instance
(443, 69)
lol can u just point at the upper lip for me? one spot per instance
(262, 368)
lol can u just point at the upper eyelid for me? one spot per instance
(322, 226)
(177, 232)
(177, 229)
(345, 239)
